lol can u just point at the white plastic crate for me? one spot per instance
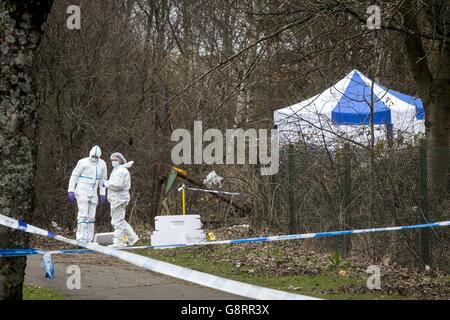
(177, 229)
(166, 237)
(104, 238)
(196, 237)
(189, 222)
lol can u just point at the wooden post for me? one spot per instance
(155, 204)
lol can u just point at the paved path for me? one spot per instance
(107, 278)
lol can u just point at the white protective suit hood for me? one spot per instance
(119, 185)
(95, 151)
(127, 165)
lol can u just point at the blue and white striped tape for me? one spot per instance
(18, 252)
(200, 278)
(298, 236)
(5, 253)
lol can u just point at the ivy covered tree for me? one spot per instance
(20, 33)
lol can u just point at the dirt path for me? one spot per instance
(107, 278)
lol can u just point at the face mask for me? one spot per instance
(94, 159)
(115, 164)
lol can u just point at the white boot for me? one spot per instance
(117, 244)
(132, 240)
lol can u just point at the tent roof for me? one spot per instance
(346, 105)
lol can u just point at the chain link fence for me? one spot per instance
(350, 187)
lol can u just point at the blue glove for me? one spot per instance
(102, 200)
(71, 197)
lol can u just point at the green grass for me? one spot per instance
(31, 292)
(301, 284)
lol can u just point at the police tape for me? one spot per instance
(297, 236)
(18, 252)
(6, 253)
(200, 278)
(219, 192)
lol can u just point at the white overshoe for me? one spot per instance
(132, 241)
(117, 245)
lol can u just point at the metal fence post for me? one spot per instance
(424, 206)
(291, 173)
(346, 240)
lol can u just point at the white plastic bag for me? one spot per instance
(213, 179)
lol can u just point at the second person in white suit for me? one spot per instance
(118, 187)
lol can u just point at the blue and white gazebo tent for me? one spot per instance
(343, 110)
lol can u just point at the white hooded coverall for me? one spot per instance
(84, 182)
(119, 185)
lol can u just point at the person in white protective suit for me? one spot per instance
(118, 186)
(88, 175)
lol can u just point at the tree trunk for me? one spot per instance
(20, 33)
(434, 91)
(245, 98)
(438, 132)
